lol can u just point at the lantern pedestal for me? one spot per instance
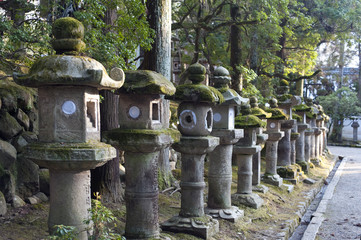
(191, 218)
(69, 165)
(220, 177)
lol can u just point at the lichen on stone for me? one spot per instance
(248, 121)
(311, 114)
(259, 112)
(284, 97)
(146, 82)
(67, 70)
(284, 82)
(297, 117)
(198, 93)
(301, 108)
(277, 114)
(294, 135)
(131, 136)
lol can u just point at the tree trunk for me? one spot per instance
(299, 87)
(106, 179)
(235, 38)
(159, 59)
(359, 72)
(253, 59)
(279, 68)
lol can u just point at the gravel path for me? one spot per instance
(342, 218)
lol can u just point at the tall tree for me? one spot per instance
(105, 180)
(158, 59)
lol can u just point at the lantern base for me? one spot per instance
(260, 188)
(274, 180)
(232, 214)
(204, 226)
(248, 199)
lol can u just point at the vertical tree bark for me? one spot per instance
(235, 38)
(253, 59)
(359, 72)
(159, 59)
(341, 62)
(279, 68)
(106, 179)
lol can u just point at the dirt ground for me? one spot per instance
(268, 222)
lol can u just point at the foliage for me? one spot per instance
(249, 89)
(22, 40)
(64, 233)
(115, 43)
(113, 40)
(102, 219)
(341, 104)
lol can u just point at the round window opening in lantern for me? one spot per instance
(134, 112)
(187, 119)
(217, 117)
(68, 107)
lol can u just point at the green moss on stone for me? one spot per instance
(304, 166)
(22, 97)
(297, 117)
(130, 136)
(198, 93)
(248, 121)
(284, 97)
(287, 171)
(68, 27)
(301, 108)
(259, 112)
(311, 114)
(225, 89)
(147, 82)
(277, 114)
(294, 135)
(284, 82)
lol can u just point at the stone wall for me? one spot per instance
(18, 127)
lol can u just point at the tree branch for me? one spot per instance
(291, 79)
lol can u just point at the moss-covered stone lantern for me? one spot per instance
(244, 149)
(302, 126)
(220, 160)
(261, 140)
(285, 102)
(320, 121)
(311, 118)
(142, 134)
(195, 116)
(69, 123)
(274, 135)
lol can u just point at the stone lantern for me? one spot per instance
(244, 150)
(261, 140)
(301, 109)
(69, 125)
(311, 120)
(220, 160)
(143, 132)
(285, 102)
(274, 135)
(325, 121)
(195, 116)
